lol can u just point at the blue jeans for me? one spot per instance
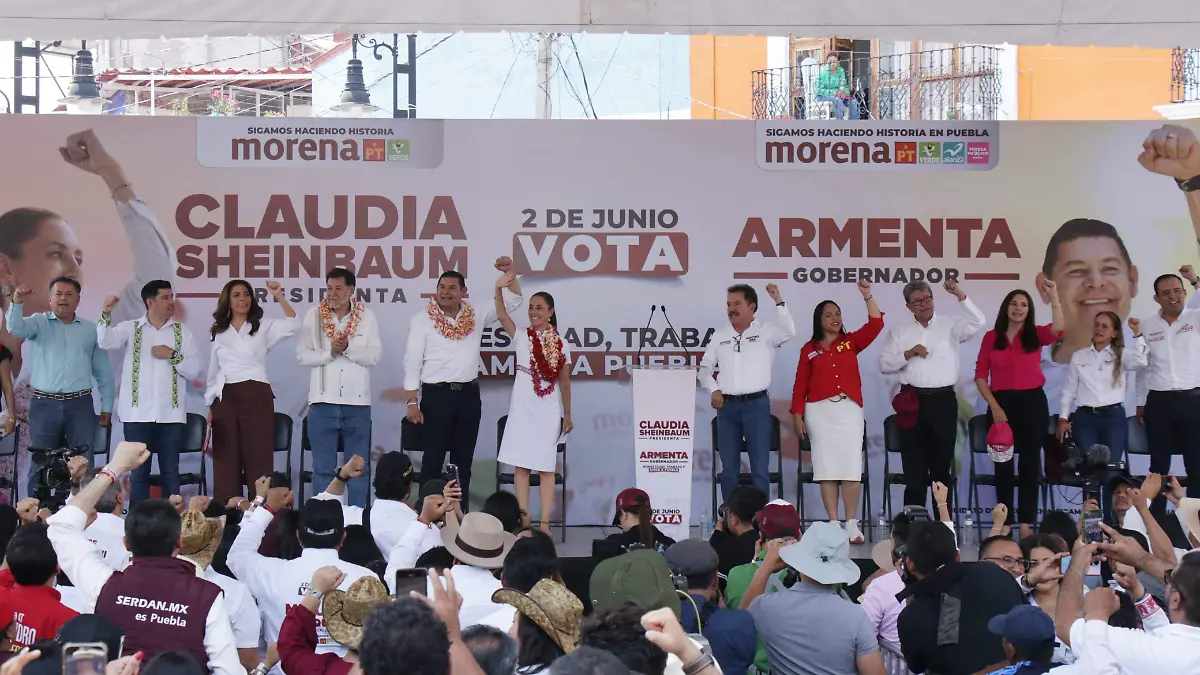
(56, 424)
(841, 106)
(1106, 426)
(744, 424)
(340, 427)
(164, 440)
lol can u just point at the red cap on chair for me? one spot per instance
(628, 499)
(906, 404)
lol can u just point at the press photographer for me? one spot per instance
(53, 481)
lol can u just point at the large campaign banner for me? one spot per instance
(611, 218)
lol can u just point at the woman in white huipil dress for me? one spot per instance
(540, 409)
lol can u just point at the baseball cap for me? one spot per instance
(1000, 442)
(639, 577)
(629, 498)
(1024, 626)
(1119, 480)
(322, 517)
(433, 486)
(778, 519)
(394, 464)
(692, 558)
(907, 405)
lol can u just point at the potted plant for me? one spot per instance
(221, 104)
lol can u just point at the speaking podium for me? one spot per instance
(664, 423)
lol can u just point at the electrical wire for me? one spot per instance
(587, 92)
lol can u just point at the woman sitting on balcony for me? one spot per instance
(831, 88)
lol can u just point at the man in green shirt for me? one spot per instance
(777, 520)
(831, 87)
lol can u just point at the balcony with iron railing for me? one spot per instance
(954, 83)
(1185, 75)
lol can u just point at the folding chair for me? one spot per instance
(284, 427)
(977, 431)
(195, 432)
(535, 480)
(774, 477)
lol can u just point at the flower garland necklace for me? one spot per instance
(464, 326)
(329, 321)
(545, 359)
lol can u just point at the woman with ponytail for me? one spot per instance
(634, 518)
(1096, 382)
(539, 412)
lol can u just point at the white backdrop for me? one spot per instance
(461, 193)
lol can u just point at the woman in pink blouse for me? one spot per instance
(1009, 376)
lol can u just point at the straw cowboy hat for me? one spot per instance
(552, 607)
(346, 611)
(200, 537)
(1189, 515)
(823, 555)
(479, 540)
(881, 555)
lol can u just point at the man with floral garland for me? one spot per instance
(340, 342)
(441, 364)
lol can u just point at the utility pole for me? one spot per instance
(546, 48)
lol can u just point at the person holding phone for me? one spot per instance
(540, 409)
(1096, 382)
(1048, 550)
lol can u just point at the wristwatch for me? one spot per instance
(705, 660)
(1190, 185)
(312, 592)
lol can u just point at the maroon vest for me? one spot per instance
(161, 604)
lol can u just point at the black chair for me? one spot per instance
(194, 435)
(508, 478)
(284, 428)
(8, 448)
(775, 477)
(892, 445)
(806, 478)
(1137, 443)
(306, 475)
(977, 431)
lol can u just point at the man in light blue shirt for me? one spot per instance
(65, 360)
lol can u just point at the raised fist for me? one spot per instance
(1135, 325)
(1172, 151)
(1188, 273)
(20, 293)
(274, 288)
(864, 287)
(504, 263)
(129, 456)
(109, 303)
(773, 292)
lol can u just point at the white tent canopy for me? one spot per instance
(1146, 23)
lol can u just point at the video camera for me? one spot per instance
(1090, 467)
(52, 486)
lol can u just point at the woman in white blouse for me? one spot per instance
(241, 403)
(1096, 382)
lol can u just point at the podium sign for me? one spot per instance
(664, 408)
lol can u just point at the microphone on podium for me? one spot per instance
(653, 309)
(679, 337)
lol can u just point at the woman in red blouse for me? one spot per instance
(827, 405)
(1008, 374)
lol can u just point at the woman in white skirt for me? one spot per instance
(540, 409)
(827, 405)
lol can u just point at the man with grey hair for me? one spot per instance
(107, 528)
(493, 649)
(923, 354)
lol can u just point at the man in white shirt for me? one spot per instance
(1169, 393)
(387, 516)
(743, 353)
(279, 584)
(107, 528)
(159, 600)
(1171, 649)
(201, 537)
(479, 545)
(441, 364)
(923, 353)
(340, 342)
(160, 359)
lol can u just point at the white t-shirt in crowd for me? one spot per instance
(389, 519)
(243, 611)
(107, 532)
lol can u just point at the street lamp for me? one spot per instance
(398, 69)
(83, 94)
(356, 100)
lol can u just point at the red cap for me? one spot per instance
(632, 498)
(778, 519)
(1000, 442)
(906, 404)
